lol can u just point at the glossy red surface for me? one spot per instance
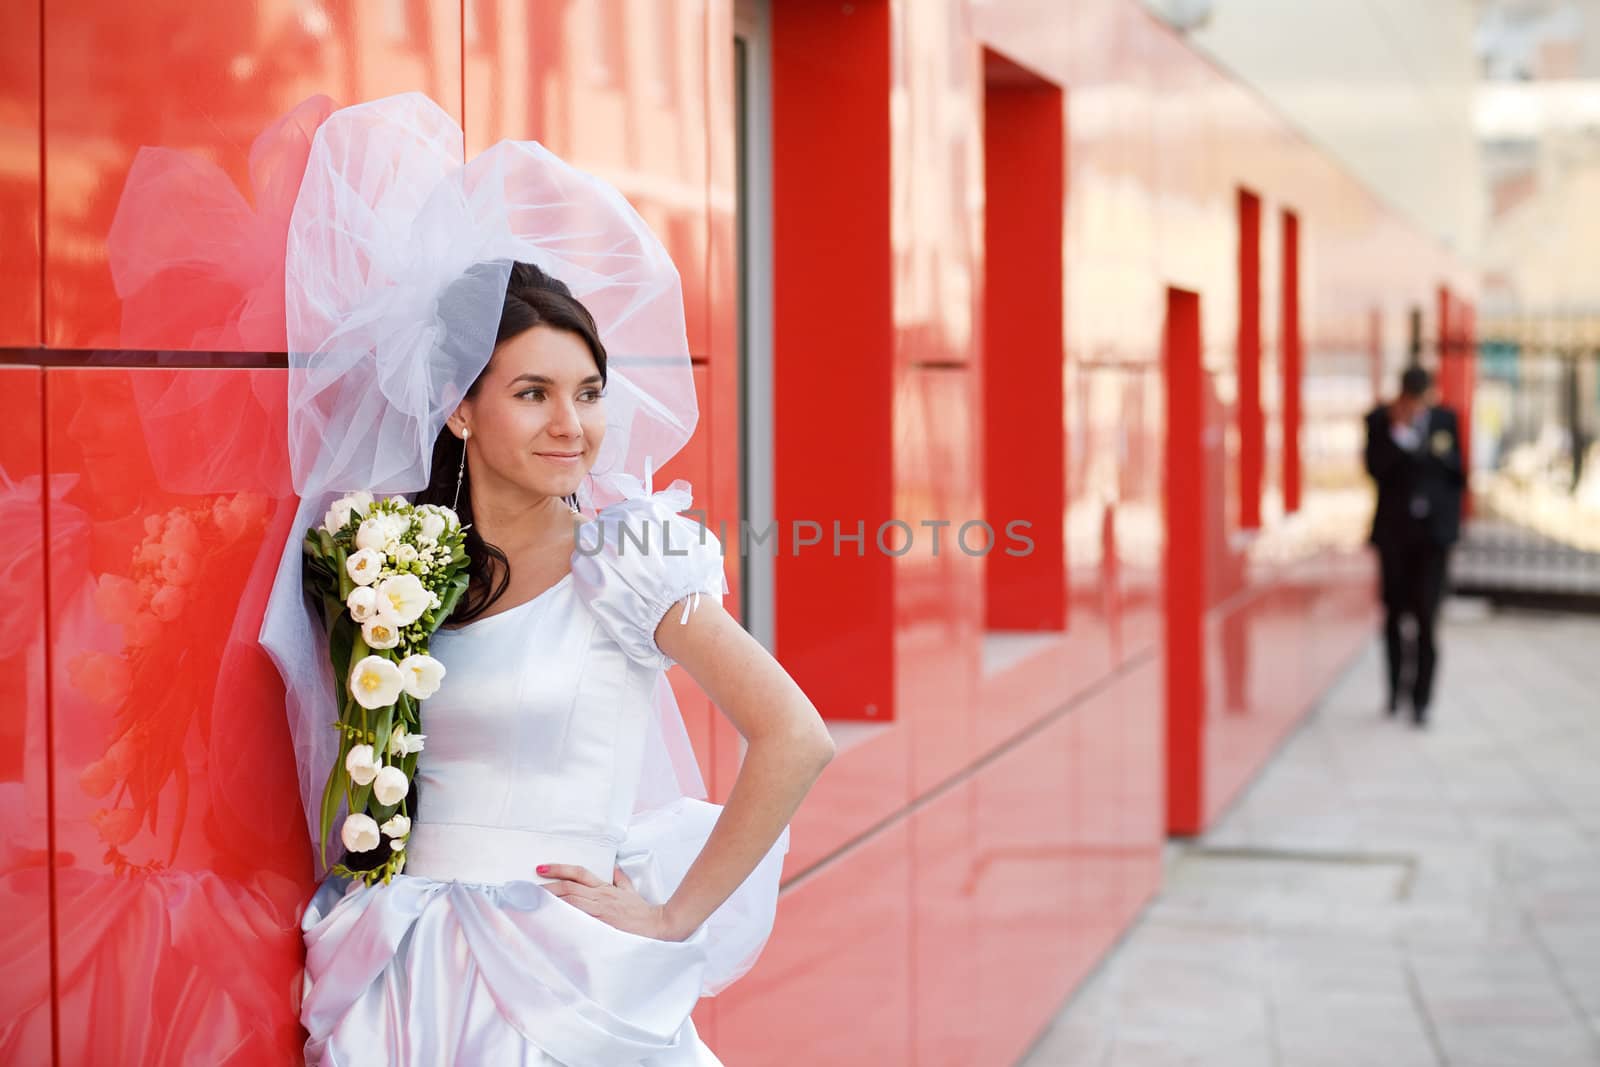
(119, 77)
(614, 87)
(170, 738)
(997, 819)
(834, 985)
(21, 258)
(25, 992)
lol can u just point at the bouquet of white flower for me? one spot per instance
(387, 574)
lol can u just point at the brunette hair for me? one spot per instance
(533, 298)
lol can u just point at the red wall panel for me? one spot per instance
(25, 992)
(616, 88)
(834, 985)
(118, 77)
(177, 900)
(21, 176)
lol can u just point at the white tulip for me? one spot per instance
(377, 530)
(404, 553)
(375, 682)
(402, 742)
(420, 675)
(379, 632)
(362, 602)
(397, 826)
(359, 833)
(343, 508)
(390, 786)
(433, 524)
(364, 566)
(452, 521)
(402, 599)
(362, 764)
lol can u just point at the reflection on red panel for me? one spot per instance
(834, 983)
(615, 88)
(24, 707)
(21, 264)
(119, 77)
(949, 1027)
(178, 880)
(1025, 880)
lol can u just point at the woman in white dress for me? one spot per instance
(566, 898)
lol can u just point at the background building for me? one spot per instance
(941, 261)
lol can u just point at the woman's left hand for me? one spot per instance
(616, 903)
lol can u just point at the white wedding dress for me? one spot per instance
(533, 755)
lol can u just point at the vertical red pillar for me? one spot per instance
(1252, 421)
(1185, 570)
(1293, 362)
(1024, 171)
(833, 322)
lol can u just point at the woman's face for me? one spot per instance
(538, 418)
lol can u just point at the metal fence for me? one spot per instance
(1534, 532)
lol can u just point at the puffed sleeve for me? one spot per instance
(636, 560)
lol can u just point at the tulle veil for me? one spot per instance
(396, 265)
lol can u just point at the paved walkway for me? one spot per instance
(1382, 895)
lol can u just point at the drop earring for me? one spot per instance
(461, 470)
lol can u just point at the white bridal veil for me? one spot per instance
(396, 267)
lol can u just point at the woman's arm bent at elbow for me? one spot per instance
(787, 748)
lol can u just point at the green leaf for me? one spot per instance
(345, 582)
(383, 728)
(361, 797)
(330, 801)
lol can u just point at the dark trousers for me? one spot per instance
(1413, 577)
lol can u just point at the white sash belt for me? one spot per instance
(493, 855)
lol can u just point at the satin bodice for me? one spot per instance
(536, 737)
(539, 728)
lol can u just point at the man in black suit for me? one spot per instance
(1414, 454)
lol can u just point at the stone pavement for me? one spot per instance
(1384, 895)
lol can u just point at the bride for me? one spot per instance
(506, 337)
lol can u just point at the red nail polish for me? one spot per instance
(543, 868)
